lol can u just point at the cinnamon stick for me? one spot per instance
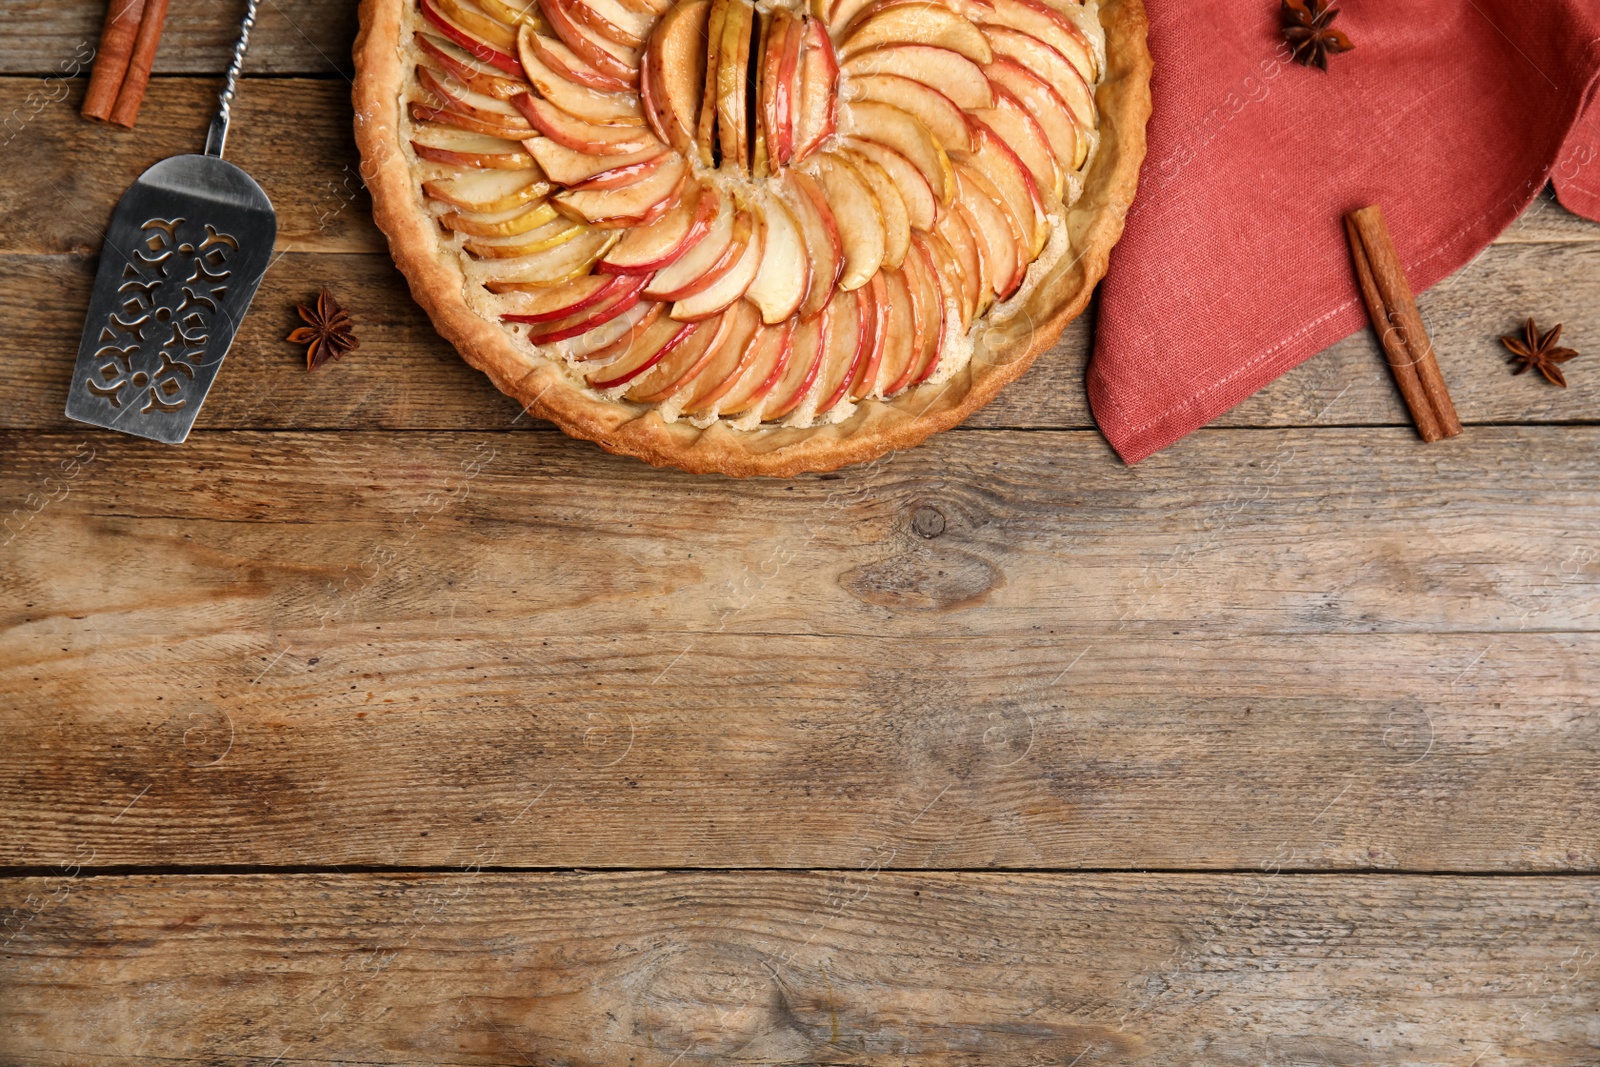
(111, 60)
(1398, 321)
(140, 63)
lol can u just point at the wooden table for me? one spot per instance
(380, 724)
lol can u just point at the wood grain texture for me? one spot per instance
(293, 136)
(312, 648)
(291, 37)
(858, 967)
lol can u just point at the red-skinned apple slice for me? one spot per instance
(932, 108)
(1048, 109)
(852, 323)
(900, 131)
(421, 113)
(1036, 56)
(709, 260)
(741, 349)
(819, 232)
(928, 298)
(581, 136)
(954, 75)
(757, 381)
(638, 204)
(1020, 131)
(625, 331)
(730, 286)
(686, 361)
(676, 60)
(999, 243)
(946, 272)
(902, 330)
(475, 46)
(452, 95)
(629, 173)
(1040, 21)
(808, 349)
(816, 118)
(571, 167)
(857, 217)
(786, 89)
(618, 300)
(579, 101)
(486, 191)
(772, 94)
(637, 352)
(461, 66)
(586, 46)
(781, 284)
(994, 161)
(891, 208)
(547, 305)
(459, 148)
(917, 23)
(510, 223)
(922, 207)
(649, 248)
(555, 266)
(612, 21)
(956, 230)
(875, 298)
(926, 314)
(555, 54)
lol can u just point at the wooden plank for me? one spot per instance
(292, 136)
(291, 37)
(404, 376)
(307, 649)
(856, 967)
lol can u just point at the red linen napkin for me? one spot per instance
(1451, 114)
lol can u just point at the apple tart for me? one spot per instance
(752, 236)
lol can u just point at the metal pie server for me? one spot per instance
(185, 253)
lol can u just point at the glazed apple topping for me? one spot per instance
(752, 211)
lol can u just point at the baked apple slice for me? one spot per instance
(820, 233)
(1067, 144)
(650, 248)
(901, 132)
(630, 205)
(486, 191)
(914, 23)
(954, 75)
(578, 100)
(891, 208)
(856, 215)
(780, 286)
(932, 108)
(921, 205)
(818, 78)
(676, 60)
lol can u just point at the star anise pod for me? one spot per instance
(328, 333)
(1539, 352)
(1308, 27)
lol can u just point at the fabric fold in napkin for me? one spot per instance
(1234, 268)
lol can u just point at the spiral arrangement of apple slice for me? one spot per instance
(744, 210)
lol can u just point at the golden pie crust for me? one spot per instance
(1003, 349)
